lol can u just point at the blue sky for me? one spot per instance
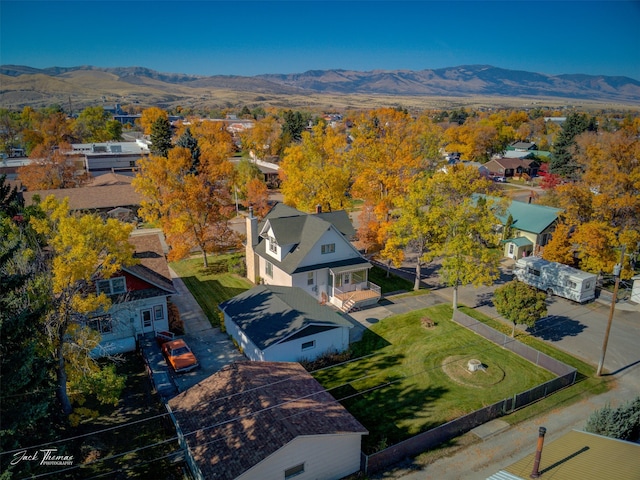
(254, 37)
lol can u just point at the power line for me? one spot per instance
(226, 397)
(238, 418)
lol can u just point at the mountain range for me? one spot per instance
(23, 85)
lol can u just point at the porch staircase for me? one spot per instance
(349, 305)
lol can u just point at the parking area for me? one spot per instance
(214, 350)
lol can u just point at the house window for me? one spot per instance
(268, 269)
(158, 313)
(102, 324)
(111, 286)
(310, 278)
(273, 245)
(308, 345)
(293, 471)
(328, 248)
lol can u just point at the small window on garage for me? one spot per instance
(293, 471)
(309, 345)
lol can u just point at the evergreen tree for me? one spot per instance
(10, 201)
(160, 137)
(187, 140)
(294, 125)
(622, 422)
(563, 162)
(25, 367)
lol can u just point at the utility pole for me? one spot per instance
(617, 269)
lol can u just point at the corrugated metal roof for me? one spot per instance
(502, 475)
(583, 456)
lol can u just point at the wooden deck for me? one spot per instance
(358, 295)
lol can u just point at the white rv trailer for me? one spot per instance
(556, 278)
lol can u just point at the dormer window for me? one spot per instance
(112, 286)
(273, 245)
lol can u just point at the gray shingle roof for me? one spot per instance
(269, 314)
(241, 415)
(303, 231)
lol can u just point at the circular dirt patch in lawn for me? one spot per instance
(455, 367)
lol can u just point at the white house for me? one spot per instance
(283, 324)
(312, 252)
(265, 420)
(139, 298)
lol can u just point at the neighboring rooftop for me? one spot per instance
(580, 456)
(152, 266)
(247, 411)
(103, 193)
(268, 314)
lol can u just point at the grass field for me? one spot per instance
(400, 388)
(587, 383)
(214, 284)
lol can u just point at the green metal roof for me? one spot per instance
(270, 314)
(519, 241)
(530, 217)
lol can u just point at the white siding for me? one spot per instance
(334, 339)
(343, 250)
(327, 457)
(126, 317)
(279, 277)
(320, 282)
(249, 349)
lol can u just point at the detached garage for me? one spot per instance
(284, 324)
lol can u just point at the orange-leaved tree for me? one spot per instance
(193, 207)
(389, 148)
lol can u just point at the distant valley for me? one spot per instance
(473, 85)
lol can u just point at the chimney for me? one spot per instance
(535, 473)
(318, 208)
(252, 241)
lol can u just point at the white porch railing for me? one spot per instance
(356, 287)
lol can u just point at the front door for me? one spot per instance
(146, 319)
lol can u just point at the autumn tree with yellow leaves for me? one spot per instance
(603, 206)
(454, 224)
(83, 249)
(314, 171)
(389, 149)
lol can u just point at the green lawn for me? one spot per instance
(400, 387)
(212, 285)
(587, 383)
(388, 284)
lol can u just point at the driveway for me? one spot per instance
(213, 348)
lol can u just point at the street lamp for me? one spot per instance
(616, 273)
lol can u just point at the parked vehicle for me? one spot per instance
(500, 179)
(179, 355)
(556, 278)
